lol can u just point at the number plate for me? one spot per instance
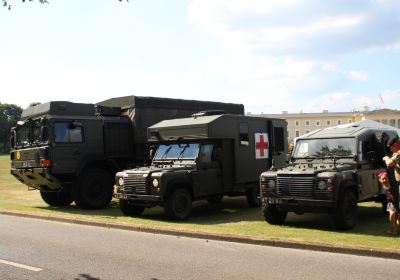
(121, 196)
(273, 200)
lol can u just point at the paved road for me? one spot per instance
(37, 249)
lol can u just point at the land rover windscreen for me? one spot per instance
(176, 153)
(310, 149)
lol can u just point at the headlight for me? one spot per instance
(271, 184)
(155, 183)
(322, 185)
(121, 181)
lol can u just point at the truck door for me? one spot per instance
(366, 171)
(278, 142)
(207, 179)
(68, 139)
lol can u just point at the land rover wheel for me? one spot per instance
(214, 200)
(59, 199)
(178, 205)
(252, 195)
(274, 216)
(129, 209)
(94, 189)
(345, 215)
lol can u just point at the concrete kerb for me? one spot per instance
(378, 253)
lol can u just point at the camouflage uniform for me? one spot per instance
(396, 158)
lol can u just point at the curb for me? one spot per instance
(378, 253)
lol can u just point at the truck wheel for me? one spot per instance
(129, 209)
(273, 216)
(252, 195)
(94, 189)
(345, 215)
(178, 205)
(60, 199)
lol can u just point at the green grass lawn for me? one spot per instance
(232, 216)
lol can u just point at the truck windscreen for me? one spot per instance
(29, 134)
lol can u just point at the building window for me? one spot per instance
(318, 122)
(297, 123)
(297, 133)
(328, 122)
(384, 121)
(307, 123)
(339, 122)
(350, 121)
(307, 131)
(392, 123)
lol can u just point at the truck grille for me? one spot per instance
(135, 184)
(295, 186)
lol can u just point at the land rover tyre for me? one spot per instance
(59, 199)
(216, 199)
(94, 189)
(130, 210)
(345, 215)
(252, 195)
(273, 215)
(178, 205)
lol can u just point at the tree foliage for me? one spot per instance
(9, 115)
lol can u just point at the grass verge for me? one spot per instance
(232, 216)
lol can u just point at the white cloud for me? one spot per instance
(294, 48)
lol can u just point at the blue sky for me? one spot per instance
(270, 55)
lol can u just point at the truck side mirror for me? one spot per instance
(12, 138)
(44, 133)
(217, 154)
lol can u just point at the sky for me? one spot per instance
(270, 55)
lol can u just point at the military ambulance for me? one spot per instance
(207, 156)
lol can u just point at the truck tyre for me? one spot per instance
(345, 215)
(178, 205)
(58, 199)
(273, 216)
(130, 210)
(252, 195)
(94, 189)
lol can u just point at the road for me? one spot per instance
(37, 249)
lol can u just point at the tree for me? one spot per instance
(7, 3)
(9, 115)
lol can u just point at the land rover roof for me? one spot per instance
(350, 130)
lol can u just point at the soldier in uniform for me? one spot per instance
(394, 161)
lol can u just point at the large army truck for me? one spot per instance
(206, 156)
(71, 151)
(330, 171)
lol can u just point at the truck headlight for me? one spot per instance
(155, 183)
(322, 185)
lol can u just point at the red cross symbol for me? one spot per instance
(261, 145)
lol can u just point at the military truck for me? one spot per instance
(71, 151)
(330, 171)
(206, 157)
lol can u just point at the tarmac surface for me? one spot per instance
(379, 253)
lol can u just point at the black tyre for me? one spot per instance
(346, 214)
(129, 209)
(178, 205)
(274, 216)
(252, 195)
(58, 199)
(215, 199)
(94, 189)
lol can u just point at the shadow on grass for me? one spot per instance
(371, 220)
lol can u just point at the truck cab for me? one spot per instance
(203, 157)
(330, 171)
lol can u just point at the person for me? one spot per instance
(394, 161)
(394, 214)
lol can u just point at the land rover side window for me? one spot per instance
(64, 132)
(244, 134)
(206, 153)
